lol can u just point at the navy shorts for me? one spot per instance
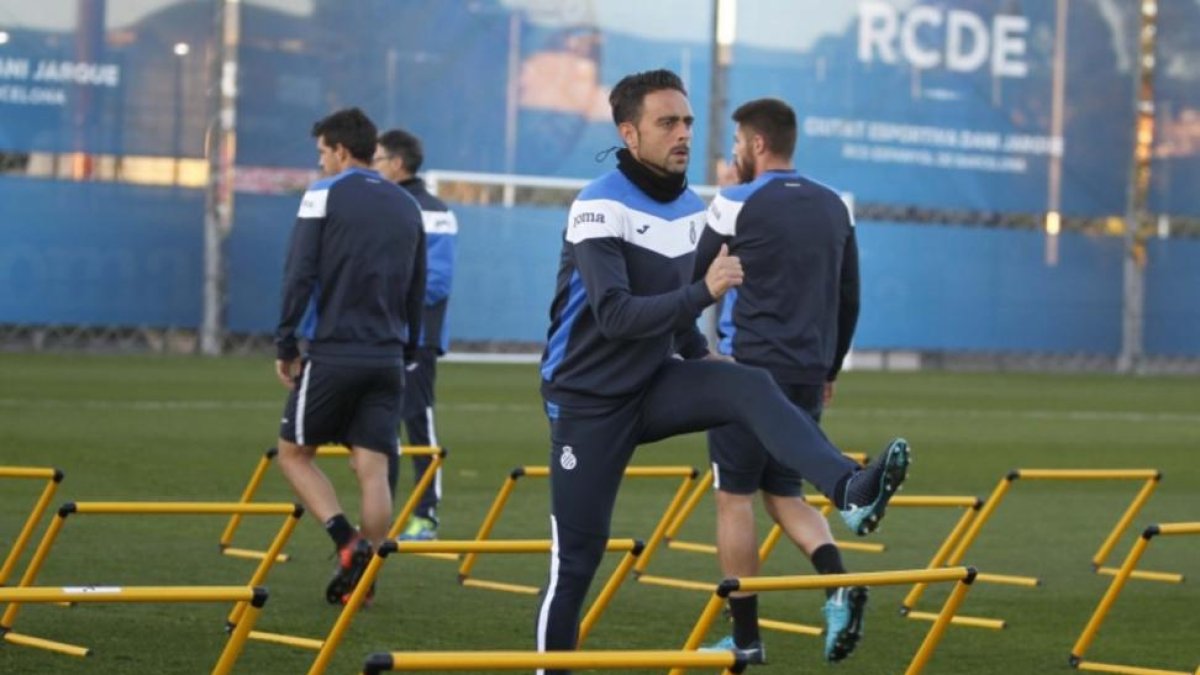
(741, 464)
(353, 405)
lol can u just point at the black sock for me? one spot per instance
(340, 530)
(827, 559)
(745, 620)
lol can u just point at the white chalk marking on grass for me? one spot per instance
(1122, 416)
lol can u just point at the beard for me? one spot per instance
(745, 168)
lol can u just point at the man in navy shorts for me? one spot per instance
(794, 316)
(353, 289)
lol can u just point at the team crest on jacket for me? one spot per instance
(692, 231)
(567, 460)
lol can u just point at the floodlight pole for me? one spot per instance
(1134, 272)
(219, 148)
(724, 15)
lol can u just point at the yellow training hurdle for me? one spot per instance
(52, 477)
(969, 504)
(292, 511)
(327, 647)
(264, 463)
(253, 597)
(962, 577)
(1122, 575)
(1150, 478)
(685, 474)
(516, 660)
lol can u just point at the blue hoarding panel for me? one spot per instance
(964, 289)
(255, 252)
(93, 254)
(1172, 312)
(504, 271)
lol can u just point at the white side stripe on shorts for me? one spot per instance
(716, 476)
(301, 401)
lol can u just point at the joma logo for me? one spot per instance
(588, 217)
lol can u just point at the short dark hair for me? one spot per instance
(772, 119)
(404, 145)
(627, 97)
(351, 129)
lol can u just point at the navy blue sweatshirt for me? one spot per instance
(354, 281)
(625, 300)
(441, 233)
(797, 309)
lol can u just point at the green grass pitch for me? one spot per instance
(157, 428)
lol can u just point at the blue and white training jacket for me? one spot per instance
(796, 311)
(441, 235)
(354, 280)
(625, 300)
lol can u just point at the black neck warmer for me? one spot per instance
(662, 189)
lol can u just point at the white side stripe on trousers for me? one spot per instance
(437, 477)
(544, 614)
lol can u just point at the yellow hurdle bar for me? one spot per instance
(584, 660)
(52, 477)
(1127, 670)
(789, 627)
(127, 594)
(1124, 573)
(256, 479)
(809, 581)
(503, 587)
(252, 596)
(962, 576)
(496, 546)
(959, 620)
(1165, 577)
(672, 582)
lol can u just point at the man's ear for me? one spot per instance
(758, 144)
(629, 134)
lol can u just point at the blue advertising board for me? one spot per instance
(950, 104)
(99, 254)
(85, 85)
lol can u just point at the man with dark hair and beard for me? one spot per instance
(625, 364)
(795, 317)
